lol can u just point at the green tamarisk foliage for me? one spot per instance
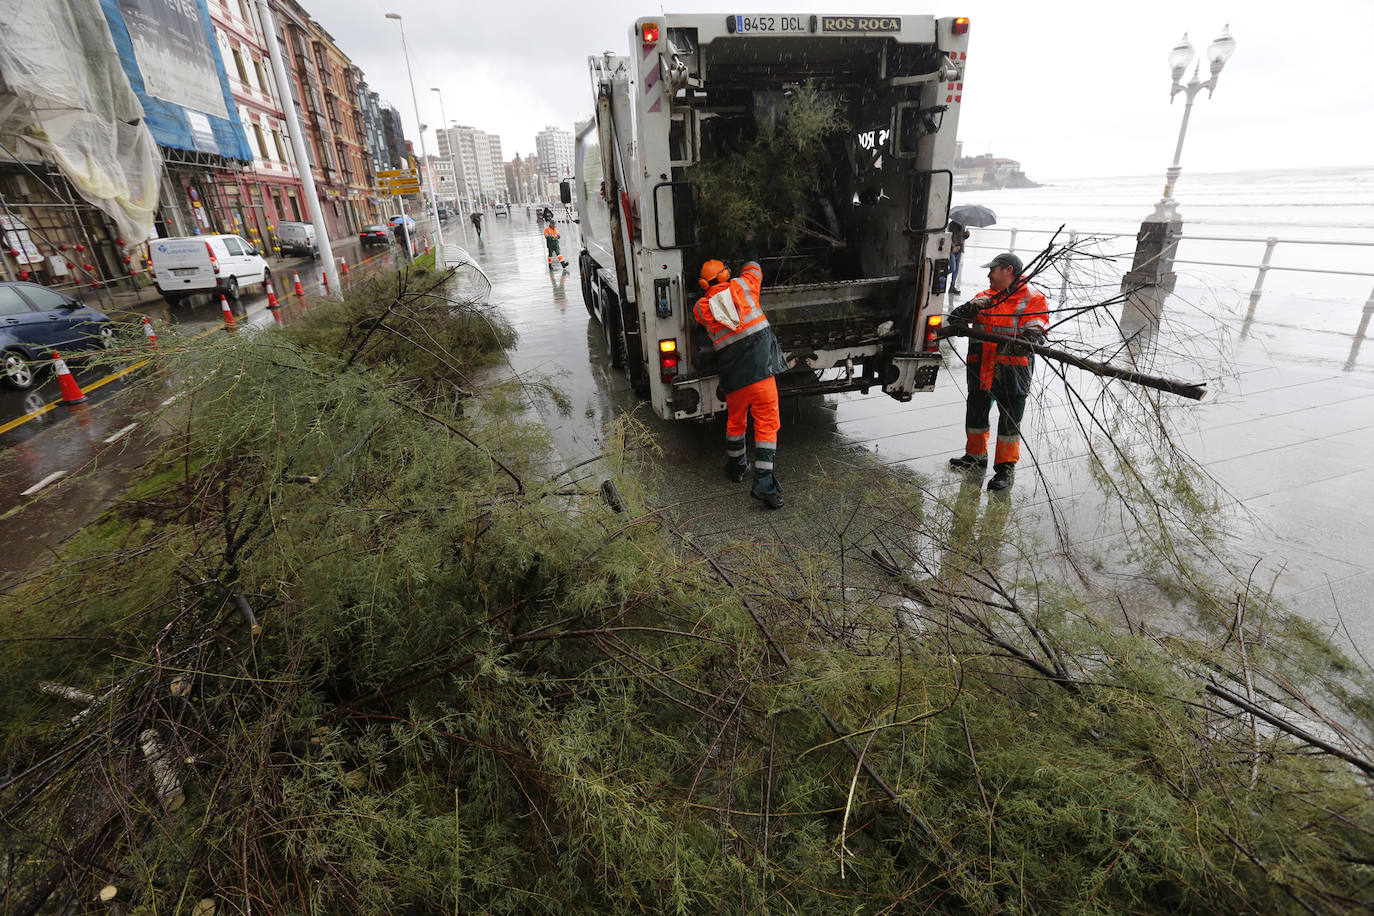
(478, 688)
(771, 189)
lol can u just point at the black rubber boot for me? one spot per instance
(766, 489)
(1003, 476)
(967, 462)
(736, 469)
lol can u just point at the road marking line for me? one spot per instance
(111, 439)
(44, 482)
(20, 421)
(34, 414)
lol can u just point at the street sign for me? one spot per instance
(401, 189)
(398, 173)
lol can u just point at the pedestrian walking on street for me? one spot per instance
(551, 238)
(748, 357)
(477, 222)
(999, 372)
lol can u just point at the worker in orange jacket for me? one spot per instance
(999, 372)
(748, 356)
(551, 237)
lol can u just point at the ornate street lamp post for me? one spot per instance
(1218, 53)
(1151, 278)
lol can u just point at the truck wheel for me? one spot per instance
(266, 279)
(231, 288)
(584, 272)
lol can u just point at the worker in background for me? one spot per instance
(748, 356)
(999, 372)
(958, 235)
(551, 237)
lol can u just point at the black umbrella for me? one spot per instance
(975, 215)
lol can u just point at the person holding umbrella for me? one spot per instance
(961, 217)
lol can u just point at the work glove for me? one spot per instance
(1033, 334)
(964, 315)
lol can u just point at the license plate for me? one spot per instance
(772, 24)
(183, 271)
(805, 25)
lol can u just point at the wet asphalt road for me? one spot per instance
(1267, 432)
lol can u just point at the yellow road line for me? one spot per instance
(34, 414)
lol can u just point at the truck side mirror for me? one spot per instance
(565, 191)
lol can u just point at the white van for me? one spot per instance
(297, 238)
(205, 264)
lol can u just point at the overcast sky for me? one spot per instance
(1068, 87)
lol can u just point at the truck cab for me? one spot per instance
(854, 303)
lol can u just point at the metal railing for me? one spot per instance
(1262, 268)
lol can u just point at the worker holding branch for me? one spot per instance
(999, 372)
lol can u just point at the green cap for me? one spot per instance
(1006, 259)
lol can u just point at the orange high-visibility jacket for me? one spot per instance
(1010, 316)
(749, 351)
(550, 231)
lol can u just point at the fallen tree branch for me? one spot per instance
(1106, 370)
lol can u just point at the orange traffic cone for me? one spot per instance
(300, 290)
(71, 391)
(271, 296)
(149, 333)
(276, 314)
(228, 313)
(344, 262)
(324, 281)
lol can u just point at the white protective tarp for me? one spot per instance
(64, 97)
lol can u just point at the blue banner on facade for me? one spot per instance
(169, 52)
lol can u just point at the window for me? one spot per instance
(262, 141)
(233, 245)
(238, 62)
(262, 76)
(11, 303)
(44, 299)
(281, 152)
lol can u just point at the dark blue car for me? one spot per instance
(35, 320)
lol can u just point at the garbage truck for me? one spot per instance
(853, 298)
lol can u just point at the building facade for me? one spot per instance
(479, 171)
(269, 190)
(324, 90)
(554, 146)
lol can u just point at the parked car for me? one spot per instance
(297, 238)
(35, 320)
(374, 235)
(396, 221)
(205, 264)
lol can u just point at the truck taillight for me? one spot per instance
(214, 261)
(932, 340)
(667, 360)
(649, 33)
(961, 25)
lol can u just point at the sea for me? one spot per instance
(1323, 219)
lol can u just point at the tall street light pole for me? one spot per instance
(1151, 278)
(424, 155)
(297, 136)
(1218, 53)
(453, 165)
